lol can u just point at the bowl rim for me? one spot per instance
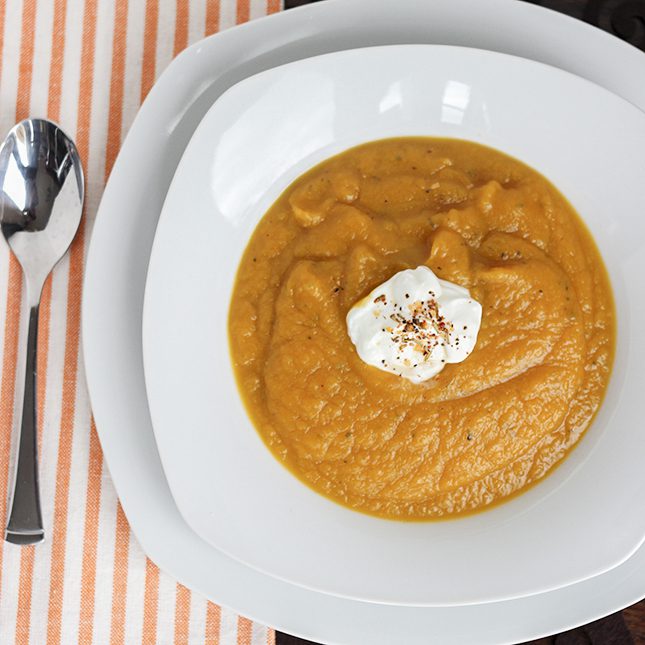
(194, 522)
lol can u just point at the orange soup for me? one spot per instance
(479, 431)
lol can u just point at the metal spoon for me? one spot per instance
(41, 202)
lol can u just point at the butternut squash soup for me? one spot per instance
(479, 430)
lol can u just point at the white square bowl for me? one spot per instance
(584, 518)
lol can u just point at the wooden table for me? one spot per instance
(626, 19)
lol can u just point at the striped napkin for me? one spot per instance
(88, 64)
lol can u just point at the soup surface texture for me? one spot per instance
(480, 430)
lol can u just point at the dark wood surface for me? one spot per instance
(625, 19)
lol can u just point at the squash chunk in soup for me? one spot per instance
(479, 431)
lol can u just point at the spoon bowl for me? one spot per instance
(41, 203)
(41, 196)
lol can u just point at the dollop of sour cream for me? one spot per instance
(414, 324)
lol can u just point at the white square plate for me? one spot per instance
(113, 299)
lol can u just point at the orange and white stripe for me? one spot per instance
(87, 64)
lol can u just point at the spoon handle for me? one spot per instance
(25, 525)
